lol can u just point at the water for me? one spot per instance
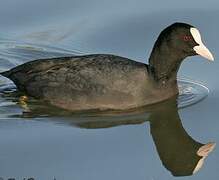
(41, 142)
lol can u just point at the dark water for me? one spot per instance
(159, 142)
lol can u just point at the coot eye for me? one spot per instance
(187, 38)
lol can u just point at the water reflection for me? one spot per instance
(178, 151)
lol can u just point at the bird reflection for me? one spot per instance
(179, 152)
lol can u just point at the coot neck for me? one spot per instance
(164, 64)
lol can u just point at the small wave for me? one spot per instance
(191, 92)
(13, 53)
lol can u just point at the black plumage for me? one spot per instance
(103, 81)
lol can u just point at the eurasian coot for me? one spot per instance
(104, 81)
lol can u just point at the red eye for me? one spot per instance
(187, 38)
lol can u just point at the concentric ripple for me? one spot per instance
(191, 92)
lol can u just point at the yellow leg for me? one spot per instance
(23, 102)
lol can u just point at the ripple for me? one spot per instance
(13, 53)
(191, 92)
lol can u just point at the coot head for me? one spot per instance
(186, 39)
(174, 44)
